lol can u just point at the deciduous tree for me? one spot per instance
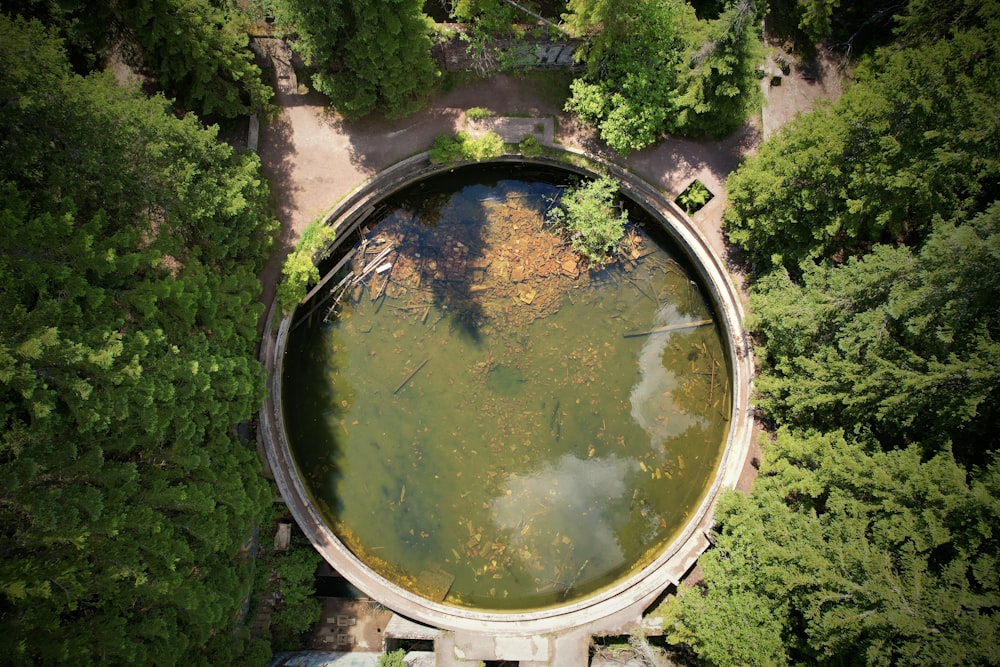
(589, 217)
(629, 90)
(654, 67)
(914, 139)
(367, 56)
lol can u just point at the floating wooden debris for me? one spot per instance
(329, 275)
(410, 376)
(668, 328)
(338, 289)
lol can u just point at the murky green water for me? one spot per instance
(526, 462)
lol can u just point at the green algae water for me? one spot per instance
(489, 424)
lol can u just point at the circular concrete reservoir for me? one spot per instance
(482, 432)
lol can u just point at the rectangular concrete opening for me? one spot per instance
(408, 645)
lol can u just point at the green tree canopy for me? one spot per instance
(590, 217)
(719, 88)
(848, 555)
(196, 51)
(367, 55)
(870, 537)
(633, 61)
(654, 67)
(913, 140)
(129, 243)
(903, 343)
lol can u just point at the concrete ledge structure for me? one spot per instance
(550, 636)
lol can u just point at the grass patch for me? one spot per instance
(478, 113)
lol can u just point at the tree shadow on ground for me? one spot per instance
(377, 142)
(277, 153)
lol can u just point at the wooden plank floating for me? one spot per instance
(409, 377)
(668, 328)
(339, 290)
(329, 274)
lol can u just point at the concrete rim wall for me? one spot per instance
(608, 609)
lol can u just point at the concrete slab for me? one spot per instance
(400, 627)
(485, 646)
(350, 625)
(324, 659)
(513, 129)
(449, 655)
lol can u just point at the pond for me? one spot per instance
(489, 423)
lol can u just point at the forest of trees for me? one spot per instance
(872, 228)
(129, 247)
(194, 51)
(654, 66)
(131, 238)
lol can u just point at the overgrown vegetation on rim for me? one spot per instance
(591, 218)
(463, 146)
(299, 269)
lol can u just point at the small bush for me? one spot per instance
(393, 659)
(485, 147)
(446, 149)
(588, 215)
(694, 197)
(529, 146)
(478, 113)
(299, 269)
(463, 147)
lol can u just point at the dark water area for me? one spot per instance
(490, 424)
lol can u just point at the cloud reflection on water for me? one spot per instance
(567, 498)
(653, 406)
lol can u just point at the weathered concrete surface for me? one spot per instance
(513, 129)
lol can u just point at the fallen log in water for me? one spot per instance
(668, 328)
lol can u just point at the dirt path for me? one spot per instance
(314, 158)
